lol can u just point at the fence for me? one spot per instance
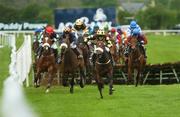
(23, 60)
(5, 40)
(13, 100)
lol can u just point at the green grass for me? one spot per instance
(162, 49)
(5, 61)
(127, 101)
(19, 41)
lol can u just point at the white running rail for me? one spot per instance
(5, 40)
(13, 100)
(23, 60)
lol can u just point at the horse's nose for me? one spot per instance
(99, 50)
(46, 47)
(63, 45)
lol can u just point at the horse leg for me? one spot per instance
(110, 83)
(37, 79)
(72, 84)
(129, 76)
(82, 78)
(100, 85)
(137, 78)
(50, 78)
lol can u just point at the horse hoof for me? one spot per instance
(110, 92)
(71, 90)
(81, 85)
(101, 97)
(47, 90)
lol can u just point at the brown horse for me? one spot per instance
(71, 64)
(35, 46)
(103, 68)
(136, 60)
(46, 63)
(117, 53)
(86, 55)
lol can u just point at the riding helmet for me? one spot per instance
(133, 24)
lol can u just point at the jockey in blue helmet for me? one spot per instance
(141, 39)
(37, 34)
(132, 26)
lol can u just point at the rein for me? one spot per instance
(103, 63)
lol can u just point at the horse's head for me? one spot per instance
(134, 42)
(65, 43)
(134, 47)
(102, 54)
(100, 47)
(46, 43)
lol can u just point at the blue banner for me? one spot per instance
(88, 14)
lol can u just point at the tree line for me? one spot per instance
(164, 15)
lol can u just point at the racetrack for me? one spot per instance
(127, 101)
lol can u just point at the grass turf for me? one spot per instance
(127, 101)
(162, 49)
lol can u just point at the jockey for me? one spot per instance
(37, 34)
(50, 31)
(132, 26)
(95, 29)
(141, 39)
(101, 36)
(112, 35)
(80, 28)
(121, 36)
(72, 39)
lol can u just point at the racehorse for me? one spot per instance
(103, 68)
(86, 55)
(136, 60)
(35, 46)
(70, 63)
(117, 52)
(45, 63)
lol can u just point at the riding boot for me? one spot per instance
(143, 51)
(39, 51)
(76, 51)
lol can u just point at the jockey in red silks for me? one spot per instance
(141, 39)
(50, 31)
(121, 36)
